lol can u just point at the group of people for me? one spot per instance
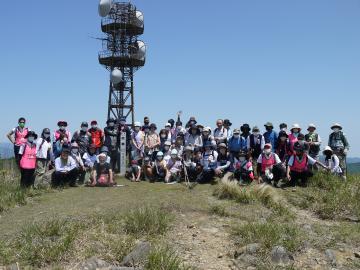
(176, 152)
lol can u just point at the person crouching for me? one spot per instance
(269, 166)
(174, 168)
(66, 171)
(102, 174)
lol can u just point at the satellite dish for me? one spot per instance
(105, 7)
(116, 76)
(139, 21)
(142, 49)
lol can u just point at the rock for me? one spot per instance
(138, 255)
(246, 259)
(191, 226)
(331, 257)
(357, 255)
(353, 219)
(14, 266)
(249, 249)
(93, 264)
(279, 255)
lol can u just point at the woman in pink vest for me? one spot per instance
(62, 131)
(269, 166)
(298, 166)
(17, 137)
(28, 160)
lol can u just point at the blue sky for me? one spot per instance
(250, 61)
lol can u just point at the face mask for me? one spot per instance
(137, 129)
(256, 133)
(111, 124)
(163, 136)
(94, 126)
(84, 129)
(284, 129)
(22, 125)
(267, 151)
(46, 136)
(336, 130)
(296, 134)
(31, 139)
(159, 158)
(168, 128)
(236, 136)
(62, 128)
(201, 130)
(75, 151)
(166, 148)
(179, 128)
(242, 159)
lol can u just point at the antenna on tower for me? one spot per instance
(122, 55)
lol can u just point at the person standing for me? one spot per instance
(340, 146)
(314, 142)
(270, 135)
(62, 132)
(27, 153)
(220, 133)
(17, 137)
(112, 142)
(44, 154)
(137, 143)
(97, 136)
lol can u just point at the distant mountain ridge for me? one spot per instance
(6, 150)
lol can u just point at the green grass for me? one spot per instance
(219, 210)
(60, 240)
(269, 234)
(147, 220)
(331, 197)
(164, 258)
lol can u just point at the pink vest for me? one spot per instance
(20, 136)
(266, 163)
(59, 132)
(292, 141)
(28, 160)
(300, 166)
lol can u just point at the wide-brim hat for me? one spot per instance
(311, 126)
(31, 133)
(255, 129)
(269, 124)
(222, 145)
(327, 149)
(336, 125)
(62, 123)
(227, 122)
(295, 126)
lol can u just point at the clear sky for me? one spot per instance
(249, 61)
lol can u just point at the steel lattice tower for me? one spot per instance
(122, 51)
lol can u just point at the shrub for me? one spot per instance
(163, 258)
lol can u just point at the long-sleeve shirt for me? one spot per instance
(194, 140)
(65, 165)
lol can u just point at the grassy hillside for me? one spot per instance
(220, 226)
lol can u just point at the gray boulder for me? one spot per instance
(138, 255)
(279, 255)
(93, 264)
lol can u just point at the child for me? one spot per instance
(244, 171)
(332, 162)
